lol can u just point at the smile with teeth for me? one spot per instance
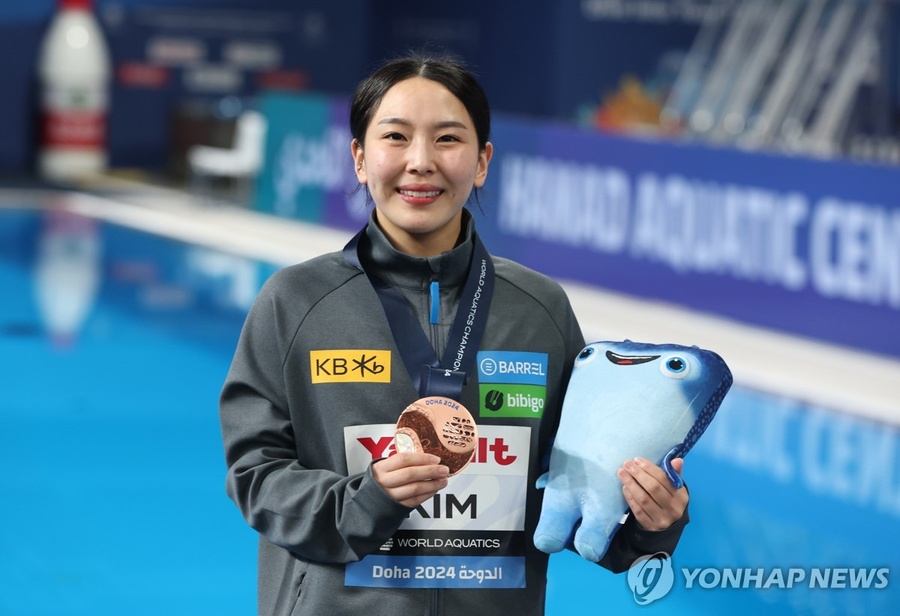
(420, 194)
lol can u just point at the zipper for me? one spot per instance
(434, 314)
(432, 603)
(432, 596)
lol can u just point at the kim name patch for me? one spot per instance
(350, 366)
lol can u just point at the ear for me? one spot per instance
(359, 166)
(484, 159)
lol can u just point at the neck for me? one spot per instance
(424, 244)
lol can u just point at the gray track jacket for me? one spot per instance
(310, 401)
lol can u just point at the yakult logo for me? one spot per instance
(495, 450)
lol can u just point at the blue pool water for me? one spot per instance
(113, 474)
(113, 471)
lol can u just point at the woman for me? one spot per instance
(335, 348)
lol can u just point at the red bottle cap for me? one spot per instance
(85, 5)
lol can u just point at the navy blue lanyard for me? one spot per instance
(430, 377)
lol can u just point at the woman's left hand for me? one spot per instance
(654, 501)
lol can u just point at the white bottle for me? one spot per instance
(67, 274)
(74, 71)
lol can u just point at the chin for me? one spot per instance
(420, 224)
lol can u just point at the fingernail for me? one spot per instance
(628, 466)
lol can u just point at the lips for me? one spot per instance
(419, 194)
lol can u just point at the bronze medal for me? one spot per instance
(439, 426)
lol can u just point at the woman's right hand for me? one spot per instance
(411, 478)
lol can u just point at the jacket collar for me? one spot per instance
(402, 270)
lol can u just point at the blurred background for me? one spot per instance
(816, 77)
(707, 172)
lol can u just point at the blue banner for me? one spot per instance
(308, 173)
(805, 246)
(437, 572)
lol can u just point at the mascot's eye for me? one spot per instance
(674, 367)
(587, 354)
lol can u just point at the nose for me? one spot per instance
(420, 157)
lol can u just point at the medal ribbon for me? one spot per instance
(430, 376)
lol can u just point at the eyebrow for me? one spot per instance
(439, 125)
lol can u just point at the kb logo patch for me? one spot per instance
(350, 366)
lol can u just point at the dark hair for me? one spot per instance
(445, 70)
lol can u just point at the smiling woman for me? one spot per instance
(418, 288)
(421, 160)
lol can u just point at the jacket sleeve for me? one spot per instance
(317, 514)
(631, 542)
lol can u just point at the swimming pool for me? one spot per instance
(113, 484)
(113, 346)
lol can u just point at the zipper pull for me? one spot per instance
(435, 302)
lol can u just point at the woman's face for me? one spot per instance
(420, 162)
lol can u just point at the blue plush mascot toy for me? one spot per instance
(624, 400)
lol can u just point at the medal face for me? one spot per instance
(438, 426)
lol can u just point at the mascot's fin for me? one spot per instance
(673, 475)
(699, 427)
(541, 482)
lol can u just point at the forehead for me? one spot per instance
(420, 100)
